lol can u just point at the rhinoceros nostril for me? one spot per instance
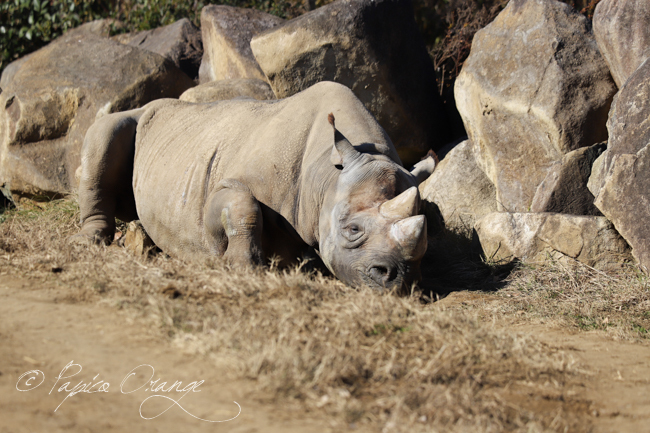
(382, 275)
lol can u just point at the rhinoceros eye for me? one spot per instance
(353, 232)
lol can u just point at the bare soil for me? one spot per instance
(619, 387)
(615, 390)
(39, 330)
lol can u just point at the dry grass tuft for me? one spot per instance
(578, 297)
(378, 360)
(464, 19)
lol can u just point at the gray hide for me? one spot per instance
(254, 179)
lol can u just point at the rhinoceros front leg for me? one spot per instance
(233, 223)
(105, 186)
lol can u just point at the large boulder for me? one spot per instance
(533, 88)
(179, 42)
(372, 47)
(622, 29)
(564, 190)
(10, 71)
(98, 28)
(55, 95)
(102, 27)
(624, 169)
(459, 189)
(227, 32)
(535, 237)
(229, 89)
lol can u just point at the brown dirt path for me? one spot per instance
(39, 331)
(618, 388)
(620, 378)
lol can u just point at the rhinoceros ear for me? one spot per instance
(343, 152)
(423, 169)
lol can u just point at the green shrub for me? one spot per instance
(27, 25)
(149, 14)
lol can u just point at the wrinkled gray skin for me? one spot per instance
(249, 180)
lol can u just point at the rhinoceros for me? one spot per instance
(248, 180)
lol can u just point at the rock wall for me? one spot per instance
(548, 171)
(534, 88)
(623, 189)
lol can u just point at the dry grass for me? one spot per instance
(464, 19)
(381, 361)
(578, 297)
(565, 294)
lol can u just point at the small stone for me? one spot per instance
(137, 240)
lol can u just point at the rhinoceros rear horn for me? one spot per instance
(343, 152)
(404, 205)
(411, 236)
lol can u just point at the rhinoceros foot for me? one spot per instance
(93, 233)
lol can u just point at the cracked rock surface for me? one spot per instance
(534, 88)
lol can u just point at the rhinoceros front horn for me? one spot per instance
(404, 205)
(411, 236)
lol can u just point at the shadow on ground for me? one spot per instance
(455, 262)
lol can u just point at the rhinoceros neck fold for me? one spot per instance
(317, 179)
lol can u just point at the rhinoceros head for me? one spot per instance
(370, 228)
